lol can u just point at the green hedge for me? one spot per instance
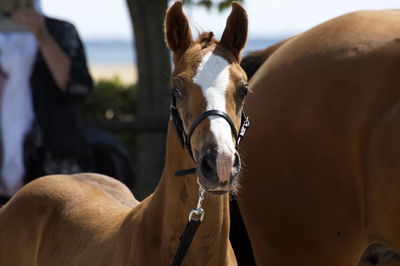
(113, 100)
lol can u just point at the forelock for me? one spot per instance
(207, 39)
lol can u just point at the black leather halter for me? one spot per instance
(193, 223)
(184, 138)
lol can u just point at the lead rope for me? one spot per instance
(196, 216)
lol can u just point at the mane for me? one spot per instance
(253, 61)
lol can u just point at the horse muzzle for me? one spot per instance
(218, 171)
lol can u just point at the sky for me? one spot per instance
(109, 19)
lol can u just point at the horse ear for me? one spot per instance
(177, 30)
(235, 33)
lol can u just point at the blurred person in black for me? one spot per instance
(44, 78)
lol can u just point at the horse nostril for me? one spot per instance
(236, 162)
(207, 166)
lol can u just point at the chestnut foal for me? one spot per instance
(91, 219)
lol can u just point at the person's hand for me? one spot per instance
(32, 20)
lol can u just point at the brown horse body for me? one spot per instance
(90, 219)
(323, 176)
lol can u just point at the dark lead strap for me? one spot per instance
(185, 241)
(190, 230)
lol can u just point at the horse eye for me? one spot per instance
(243, 91)
(177, 93)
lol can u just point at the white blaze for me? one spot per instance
(213, 77)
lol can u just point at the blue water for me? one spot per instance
(122, 52)
(109, 52)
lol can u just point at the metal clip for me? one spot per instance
(198, 210)
(243, 128)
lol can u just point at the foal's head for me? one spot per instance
(208, 91)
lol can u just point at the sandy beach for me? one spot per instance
(126, 72)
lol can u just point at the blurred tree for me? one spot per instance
(154, 67)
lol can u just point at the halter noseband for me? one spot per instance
(184, 138)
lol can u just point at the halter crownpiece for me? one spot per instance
(184, 138)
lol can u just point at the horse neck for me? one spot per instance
(164, 214)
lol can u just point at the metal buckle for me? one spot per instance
(243, 129)
(245, 126)
(198, 210)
